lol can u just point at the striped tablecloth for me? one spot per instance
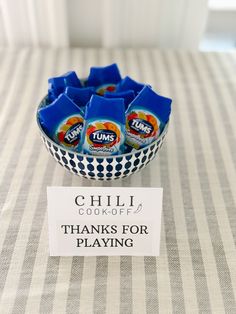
(196, 269)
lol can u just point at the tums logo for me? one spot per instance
(73, 133)
(140, 126)
(105, 137)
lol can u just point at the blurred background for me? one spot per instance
(175, 24)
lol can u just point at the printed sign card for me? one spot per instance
(93, 221)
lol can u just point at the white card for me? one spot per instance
(93, 221)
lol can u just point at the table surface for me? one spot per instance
(196, 269)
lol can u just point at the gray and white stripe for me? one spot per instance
(195, 272)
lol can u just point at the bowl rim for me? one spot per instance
(95, 156)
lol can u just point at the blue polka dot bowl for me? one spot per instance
(101, 167)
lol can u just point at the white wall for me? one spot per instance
(84, 22)
(33, 23)
(220, 34)
(137, 23)
(222, 22)
(177, 24)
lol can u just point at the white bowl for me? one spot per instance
(101, 167)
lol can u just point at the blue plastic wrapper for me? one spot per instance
(63, 121)
(129, 84)
(103, 115)
(146, 118)
(57, 85)
(104, 78)
(128, 96)
(80, 96)
(104, 129)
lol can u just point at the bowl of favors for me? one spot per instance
(104, 127)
